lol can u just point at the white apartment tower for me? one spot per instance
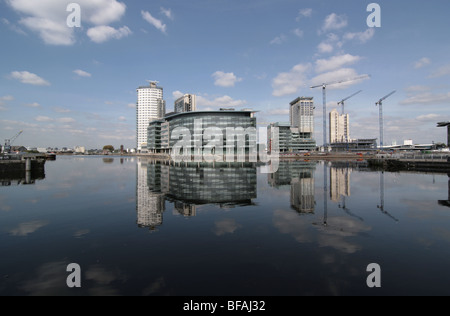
(301, 116)
(339, 127)
(150, 107)
(187, 103)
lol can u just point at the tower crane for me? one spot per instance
(8, 142)
(380, 104)
(324, 87)
(342, 102)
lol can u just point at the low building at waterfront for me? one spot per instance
(198, 125)
(290, 139)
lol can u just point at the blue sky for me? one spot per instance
(77, 86)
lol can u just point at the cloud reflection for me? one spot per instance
(27, 228)
(226, 226)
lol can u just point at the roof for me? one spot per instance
(443, 124)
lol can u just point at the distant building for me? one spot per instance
(355, 145)
(301, 115)
(150, 107)
(290, 139)
(159, 140)
(339, 127)
(187, 103)
(80, 150)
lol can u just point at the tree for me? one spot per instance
(109, 148)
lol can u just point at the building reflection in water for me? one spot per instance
(444, 202)
(299, 175)
(190, 185)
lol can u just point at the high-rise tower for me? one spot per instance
(150, 107)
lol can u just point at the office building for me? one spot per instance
(290, 139)
(301, 114)
(187, 103)
(339, 127)
(150, 107)
(160, 131)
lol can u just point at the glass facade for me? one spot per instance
(222, 122)
(290, 139)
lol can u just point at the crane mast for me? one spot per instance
(380, 105)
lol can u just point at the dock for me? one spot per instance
(419, 162)
(23, 169)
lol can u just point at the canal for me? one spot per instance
(140, 227)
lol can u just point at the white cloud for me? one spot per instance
(122, 119)
(131, 105)
(334, 22)
(220, 102)
(325, 47)
(82, 73)
(441, 72)
(338, 75)
(154, 21)
(48, 17)
(29, 78)
(223, 79)
(278, 40)
(304, 13)
(286, 83)
(427, 98)
(278, 112)
(417, 88)
(61, 110)
(167, 12)
(103, 33)
(422, 62)
(7, 98)
(66, 120)
(33, 105)
(177, 94)
(299, 33)
(361, 36)
(335, 62)
(43, 119)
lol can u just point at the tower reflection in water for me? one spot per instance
(189, 185)
(299, 175)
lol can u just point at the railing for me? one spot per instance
(442, 157)
(10, 157)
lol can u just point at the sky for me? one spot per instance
(76, 86)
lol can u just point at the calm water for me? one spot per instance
(140, 228)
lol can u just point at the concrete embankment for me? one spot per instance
(425, 165)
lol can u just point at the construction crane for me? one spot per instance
(380, 105)
(342, 102)
(8, 143)
(324, 87)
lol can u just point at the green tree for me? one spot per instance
(109, 148)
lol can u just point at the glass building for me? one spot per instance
(202, 127)
(289, 139)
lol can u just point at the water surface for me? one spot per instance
(138, 227)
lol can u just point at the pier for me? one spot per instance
(413, 162)
(23, 169)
